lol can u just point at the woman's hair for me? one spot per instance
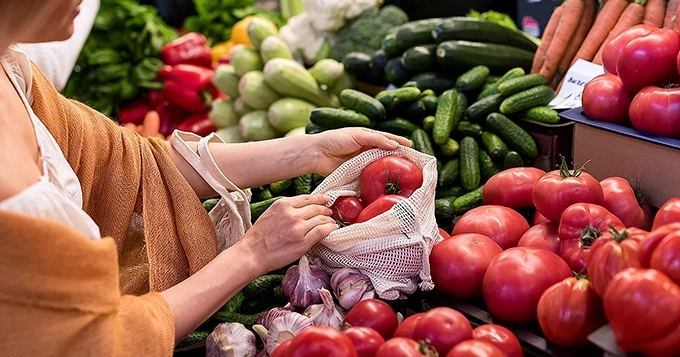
(20, 19)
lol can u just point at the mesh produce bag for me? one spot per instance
(393, 248)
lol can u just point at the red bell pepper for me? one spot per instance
(198, 124)
(189, 87)
(190, 48)
(134, 112)
(171, 115)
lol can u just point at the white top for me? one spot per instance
(57, 195)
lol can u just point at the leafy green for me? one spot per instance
(494, 16)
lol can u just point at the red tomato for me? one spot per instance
(656, 110)
(580, 226)
(649, 59)
(406, 327)
(542, 236)
(373, 313)
(559, 189)
(512, 187)
(321, 341)
(611, 253)
(503, 225)
(666, 256)
(569, 311)
(381, 205)
(538, 218)
(643, 309)
(475, 348)
(366, 340)
(501, 337)
(404, 347)
(389, 175)
(444, 327)
(444, 233)
(652, 240)
(458, 264)
(346, 210)
(625, 202)
(605, 98)
(282, 349)
(669, 212)
(517, 277)
(612, 49)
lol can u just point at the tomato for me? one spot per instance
(542, 236)
(666, 256)
(612, 49)
(404, 347)
(366, 340)
(611, 253)
(475, 348)
(538, 218)
(559, 189)
(625, 202)
(580, 226)
(649, 59)
(406, 327)
(321, 341)
(669, 212)
(389, 175)
(503, 225)
(656, 110)
(282, 349)
(643, 309)
(381, 205)
(458, 264)
(569, 311)
(652, 240)
(373, 313)
(512, 187)
(346, 210)
(499, 336)
(444, 233)
(444, 327)
(517, 277)
(605, 98)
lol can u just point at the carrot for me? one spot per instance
(580, 34)
(676, 20)
(630, 17)
(655, 10)
(151, 124)
(606, 19)
(548, 34)
(670, 15)
(573, 9)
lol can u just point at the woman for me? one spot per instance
(104, 246)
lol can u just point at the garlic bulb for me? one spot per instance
(325, 314)
(351, 286)
(230, 339)
(284, 328)
(302, 282)
(266, 318)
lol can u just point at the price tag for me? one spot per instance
(576, 78)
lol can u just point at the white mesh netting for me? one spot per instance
(393, 248)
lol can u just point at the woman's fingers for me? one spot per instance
(306, 200)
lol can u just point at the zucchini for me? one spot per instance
(494, 145)
(390, 46)
(421, 142)
(449, 148)
(274, 47)
(428, 123)
(288, 113)
(474, 29)
(438, 82)
(512, 159)
(415, 33)
(226, 80)
(443, 211)
(334, 118)
(529, 98)
(358, 64)
(473, 78)
(420, 58)
(362, 103)
(499, 58)
(291, 79)
(259, 29)
(449, 191)
(465, 128)
(396, 73)
(377, 66)
(493, 87)
(541, 114)
(449, 173)
(327, 71)
(487, 166)
(255, 92)
(302, 185)
(483, 107)
(397, 126)
(444, 116)
(470, 175)
(516, 85)
(245, 59)
(257, 208)
(468, 201)
(512, 134)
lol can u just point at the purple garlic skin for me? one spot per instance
(351, 286)
(302, 282)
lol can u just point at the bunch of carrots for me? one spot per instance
(580, 29)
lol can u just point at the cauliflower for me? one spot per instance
(303, 39)
(359, 6)
(330, 15)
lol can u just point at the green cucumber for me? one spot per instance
(528, 98)
(257, 208)
(438, 82)
(334, 118)
(449, 191)
(512, 159)
(443, 211)
(467, 54)
(210, 203)
(516, 85)
(541, 114)
(494, 145)
(312, 128)
(465, 128)
(279, 187)
(493, 87)
(481, 108)
(415, 33)
(512, 134)
(396, 73)
(362, 103)
(302, 185)
(357, 63)
(470, 175)
(397, 126)
(193, 338)
(262, 286)
(487, 166)
(390, 46)
(414, 110)
(449, 173)
(474, 29)
(428, 123)
(468, 201)
(444, 116)
(473, 78)
(430, 102)
(420, 58)
(449, 148)
(392, 98)
(421, 142)
(247, 320)
(377, 67)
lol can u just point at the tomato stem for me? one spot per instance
(392, 187)
(565, 172)
(616, 235)
(638, 193)
(588, 235)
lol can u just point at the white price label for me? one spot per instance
(576, 78)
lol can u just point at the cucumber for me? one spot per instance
(414, 111)
(358, 64)
(302, 185)
(262, 286)
(377, 66)
(512, 134)
(468, 201)
(449, 191)
(542, 114)
(257, 208)
(193, 338)
(487, 166)
(470, 175)
(483, 107)
(247, 320)
(528, 98)
(415, 33)
(312, 128)
(474, 29)
(444, 116)
(430, 102)
(443, 211)
(467, 54)
(473, 78)
(461, 108)
(396, 73)
(449, 148)
(262, 193)
(279, 187)
(428, 123)
(234, 304)
(362, 103)
(494, 145)
(390, 45)
(427, 93)
(397, 126)
(260, 304)
(420, 58)
(421, 142)
(449, 173)
(210, 203)
(334, 118)
(392, 98)
(512, 159)
(516, 85)
(465, 128)
(493, 87)
(438, 82)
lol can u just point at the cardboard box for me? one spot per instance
(553, 142)
(616, 150)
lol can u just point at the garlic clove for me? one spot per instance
(230, 339)
(325, 314)
(285, 328)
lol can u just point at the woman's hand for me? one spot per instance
(337, 146)
(288, 229)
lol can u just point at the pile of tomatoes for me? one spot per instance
(641, 81)
(383, 183)
(524, 269)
